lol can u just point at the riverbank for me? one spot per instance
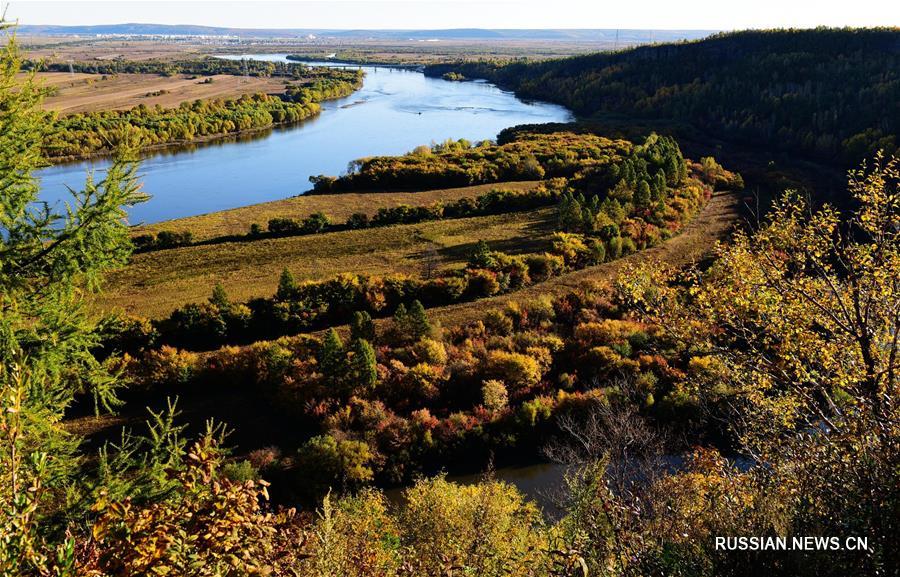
(401, 110)
(88, 133)
(175, 145)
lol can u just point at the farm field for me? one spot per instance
(63, 48)
(73, 93)
(363, 50)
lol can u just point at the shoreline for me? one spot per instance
(72, 159)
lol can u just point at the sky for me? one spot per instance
(441, 14)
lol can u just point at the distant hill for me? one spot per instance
(584, 35)
(828, 93)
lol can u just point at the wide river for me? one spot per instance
(395, 111)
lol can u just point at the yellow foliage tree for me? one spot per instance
(803, 318)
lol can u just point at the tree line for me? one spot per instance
(495, 201)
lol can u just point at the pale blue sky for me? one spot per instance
(435, 14)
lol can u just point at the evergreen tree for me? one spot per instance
(673, 170)
(587, 220)
(400, 315)
(659, 187)
(219, 298)
(332, 356)
(287, 286)
(642, 195)
(613, 209)
(362, 327)
(418, 323)
(483, 256)
(362, 373)
(569, 213)
(50, 263)
(412, 324)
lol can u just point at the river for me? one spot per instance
(395, 111)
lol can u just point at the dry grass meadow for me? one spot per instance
(336, 206)
(155, 283)
(73, 93)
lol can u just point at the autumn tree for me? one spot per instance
(802, 316)
(326, 462)
(209, 525)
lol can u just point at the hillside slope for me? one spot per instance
(828, 93)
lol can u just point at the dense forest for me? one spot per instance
(88, 133)
(781, 349)
(829, 93)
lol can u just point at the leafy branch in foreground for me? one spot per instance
(50, 261)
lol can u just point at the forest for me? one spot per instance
(87, 133)
(753, 392)
(832, 94)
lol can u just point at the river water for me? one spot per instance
(395, 111)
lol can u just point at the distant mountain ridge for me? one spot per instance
(582, 35)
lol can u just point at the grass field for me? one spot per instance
(695, 242)
(72, 93)
(337, 206)
(155, 283)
